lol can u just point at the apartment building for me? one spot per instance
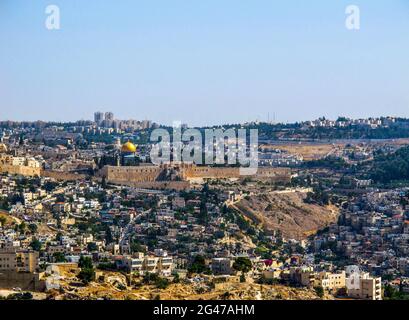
(19, 261)
(363, 286)
(141, 264)
(306, 276)
(222, 266)
(330, 281)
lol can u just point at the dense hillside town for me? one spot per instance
(85, 214)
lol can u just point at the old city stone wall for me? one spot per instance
(20, 170)
(152, 174)
(193, 172)
(232, 173)
(131, 174)
(63, 176)
(157, 185)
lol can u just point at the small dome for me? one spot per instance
(128, 147)
(3, 147)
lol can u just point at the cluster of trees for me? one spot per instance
(274, 131)
(207, 195)
(136, 246)
(49, 186)
(389, 167)
(4, 204)
(199, 265)
(242, 264)
(3, 221)
(319, 196)
(109, 266)
(319, 291)
(98, 138)
(157, 281)
(23, 228)
(328, 162)
(36, 245)
(59, 257)
(390, 293)
(355, 132)
(87, 273)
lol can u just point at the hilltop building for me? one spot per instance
(26, 166)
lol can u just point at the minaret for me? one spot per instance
(118, 143)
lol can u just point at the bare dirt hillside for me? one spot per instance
(7, 219)
(287, 212)
(307, 151)
(114, 287)
(228, 291)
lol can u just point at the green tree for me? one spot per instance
(104, 182)
(162, 283)
(21, 140)
(389, 292)
(36, 245)
(50, 186)
(33, 228)
(85, 262)
(22, 227)
(108, 235)
(176, 278)
(92, 246)
(319, 291)
(203, 215)
(87, 275)
(58, 237)
(137, 247)
(3, 221)
(242, 264)
(59, 257)
(198, 265)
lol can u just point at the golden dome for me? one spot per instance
(128, 147)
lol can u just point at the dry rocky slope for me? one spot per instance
(115, 286)
(287, 212)
(226, 291)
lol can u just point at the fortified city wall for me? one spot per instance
(157, 185)
(131, 174)
(153, 174)
(63, 176)
(20, 170)
(232, 173)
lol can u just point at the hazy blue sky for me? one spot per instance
(203, 62)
